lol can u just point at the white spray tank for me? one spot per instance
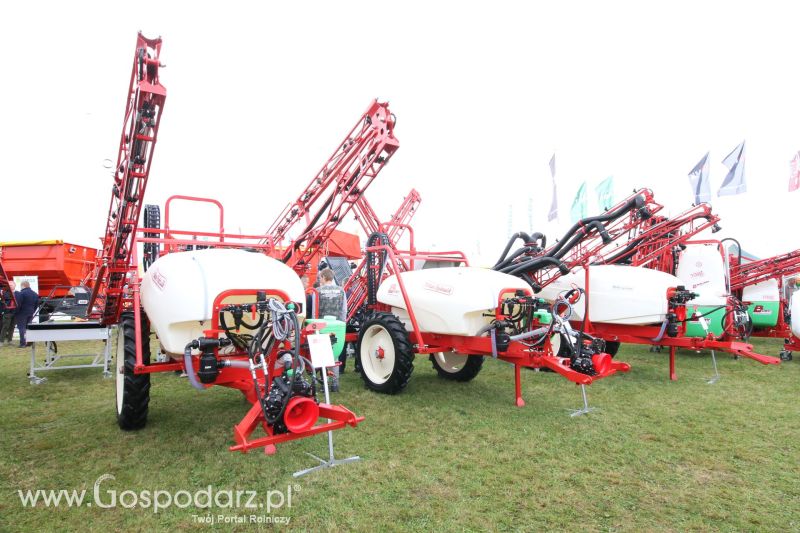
(179, 289)
(618, 294)
(765, 301)
(451, 300)
(702, 269)
(794, 308)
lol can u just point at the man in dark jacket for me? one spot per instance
(27, 302)
(8, 305)
(332, 302)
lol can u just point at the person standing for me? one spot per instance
(27, 302)
(332, 302)
(8, 305)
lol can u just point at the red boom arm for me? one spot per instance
(143, 111)
(335, 189)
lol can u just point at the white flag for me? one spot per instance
(698, 177)
(734, 181)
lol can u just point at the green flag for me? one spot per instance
(605, 193)
(578, 210)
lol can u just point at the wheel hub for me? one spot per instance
(379, 353)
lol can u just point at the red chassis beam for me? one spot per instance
(647, 334)
(518, 354)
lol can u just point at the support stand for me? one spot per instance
(332, 461)
(716, 375)
(518, 386)
(47, 334)
(585, 409)
(672, 375)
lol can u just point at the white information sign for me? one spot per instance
(321, 350)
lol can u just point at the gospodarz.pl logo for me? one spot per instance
(207, 498)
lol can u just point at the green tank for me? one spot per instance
(764, 314)
(714, 317)
(337, 327)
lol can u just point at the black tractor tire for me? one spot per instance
(471, 367)
(132, 390)
(389, 371)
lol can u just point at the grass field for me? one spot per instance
(658, 455)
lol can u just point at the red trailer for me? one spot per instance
(58, 264)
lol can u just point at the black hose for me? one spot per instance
(536, 263)
(738, 247)
(526, 239)
(374, 275)
(509, 260)
(637, 202)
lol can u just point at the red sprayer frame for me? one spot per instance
(649, 335)
(174, 240)
(518, 354)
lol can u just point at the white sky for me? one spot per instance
(260, 94)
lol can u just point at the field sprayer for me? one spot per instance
(199, 302)
(761, 285)
(627, 303)
(457, 315)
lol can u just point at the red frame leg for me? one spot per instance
(672, 375)
(518, 386)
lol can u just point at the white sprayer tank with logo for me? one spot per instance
(179, 289)
(450, 300)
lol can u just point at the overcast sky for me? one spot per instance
(260, 94)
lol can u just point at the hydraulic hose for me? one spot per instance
(536, 263)
(374, 276)
(527, 240)
(235, 363)
(510, 260)
(187, 362)
(565, 245)
(637, 202)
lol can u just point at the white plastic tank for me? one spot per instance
(766, 291)
(618, 294)
(449, 300)
(794, 306)
(179, 289)
(702, 269)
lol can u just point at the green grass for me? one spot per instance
(658, 455)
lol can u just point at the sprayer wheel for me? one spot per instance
(455, 366)
(385, 354)
(133, 390)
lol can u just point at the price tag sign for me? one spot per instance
(321, 350)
